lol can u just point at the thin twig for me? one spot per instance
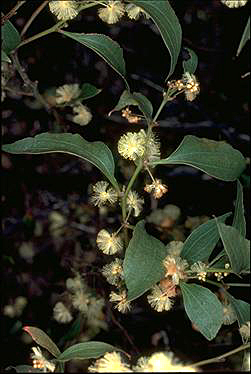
(21, 93)
(28, 82)
(33, 16)
(12, 12)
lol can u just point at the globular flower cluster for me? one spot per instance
(113, 272)
(103, 194)
(61, 313)
(200, 268)
(64, 10)
(109, 243)
(160, 296)
(67, 93)
(175, 268)
(82, 114)
(234, 3)
(245, 331)
(122, 304)
(157, 362)
(112, 11)
(134, 202)
(134, 12)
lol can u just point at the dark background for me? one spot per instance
(33, 186)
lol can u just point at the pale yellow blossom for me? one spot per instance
(109, 243)
(112, 12)
(102, 194)
(234, 3)
(134, 202)
(110, 363)
(63, 10)
(82, 114)
(67, 92)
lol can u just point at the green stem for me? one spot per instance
(53, 28)
(214, 283)
(163, 103)
(237, 284)
(214, 359)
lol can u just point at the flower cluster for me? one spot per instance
(157, 188)
(112, 11)
(134, 202)
(134, 11)
(200, 268)
(188, 84)
(123, 305)
(131, 118)
(245, 331)
(219, 276)
(132, 145)
(234, 3)
(159, 299)
(64, 10)
(110, 363)
(109, 243)
(102, 194)
(61, 313)
(82, 114)
(175, 268)
(113, 271)
(67, 93)
(40, 362)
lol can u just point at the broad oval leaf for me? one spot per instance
(105, 47)
(96, 152)
(203, 309)
(88, 91)
(143, 262)
(41, 338)
(10, 37)
(190, 65)
(84, 351)
(239, 221)
(236, 247)
(136, 98)
(200, 243)
(241, 308)
(216, 158)
(245, 37)
(168, 24)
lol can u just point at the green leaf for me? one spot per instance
(203, 309)
(236, 247)
(105, 47)
(168, 24)
(10, 37)
(41, 338)
(202, 240)
(216, 158)
(241, 308)
(88, 91)
(96, 152)
(142, 265)
(84, 351)
(4, 57)
(137, 99)
(190, 65)
(220, 260)
(239, 221)
(245, 37)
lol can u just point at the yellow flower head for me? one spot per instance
(83, 115)
(113, 271)
(134, 202)
(67, 92)
(159, 299)
(123, 305)
(200, 268)
(109, 244)
(234, 3)
(102, 194)
(157, 188)
(152, 146)
(112, 12)
(110, 363)
(175, 268)
(80, 300)
(192, 87)
(132, 145)
(63, 10)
